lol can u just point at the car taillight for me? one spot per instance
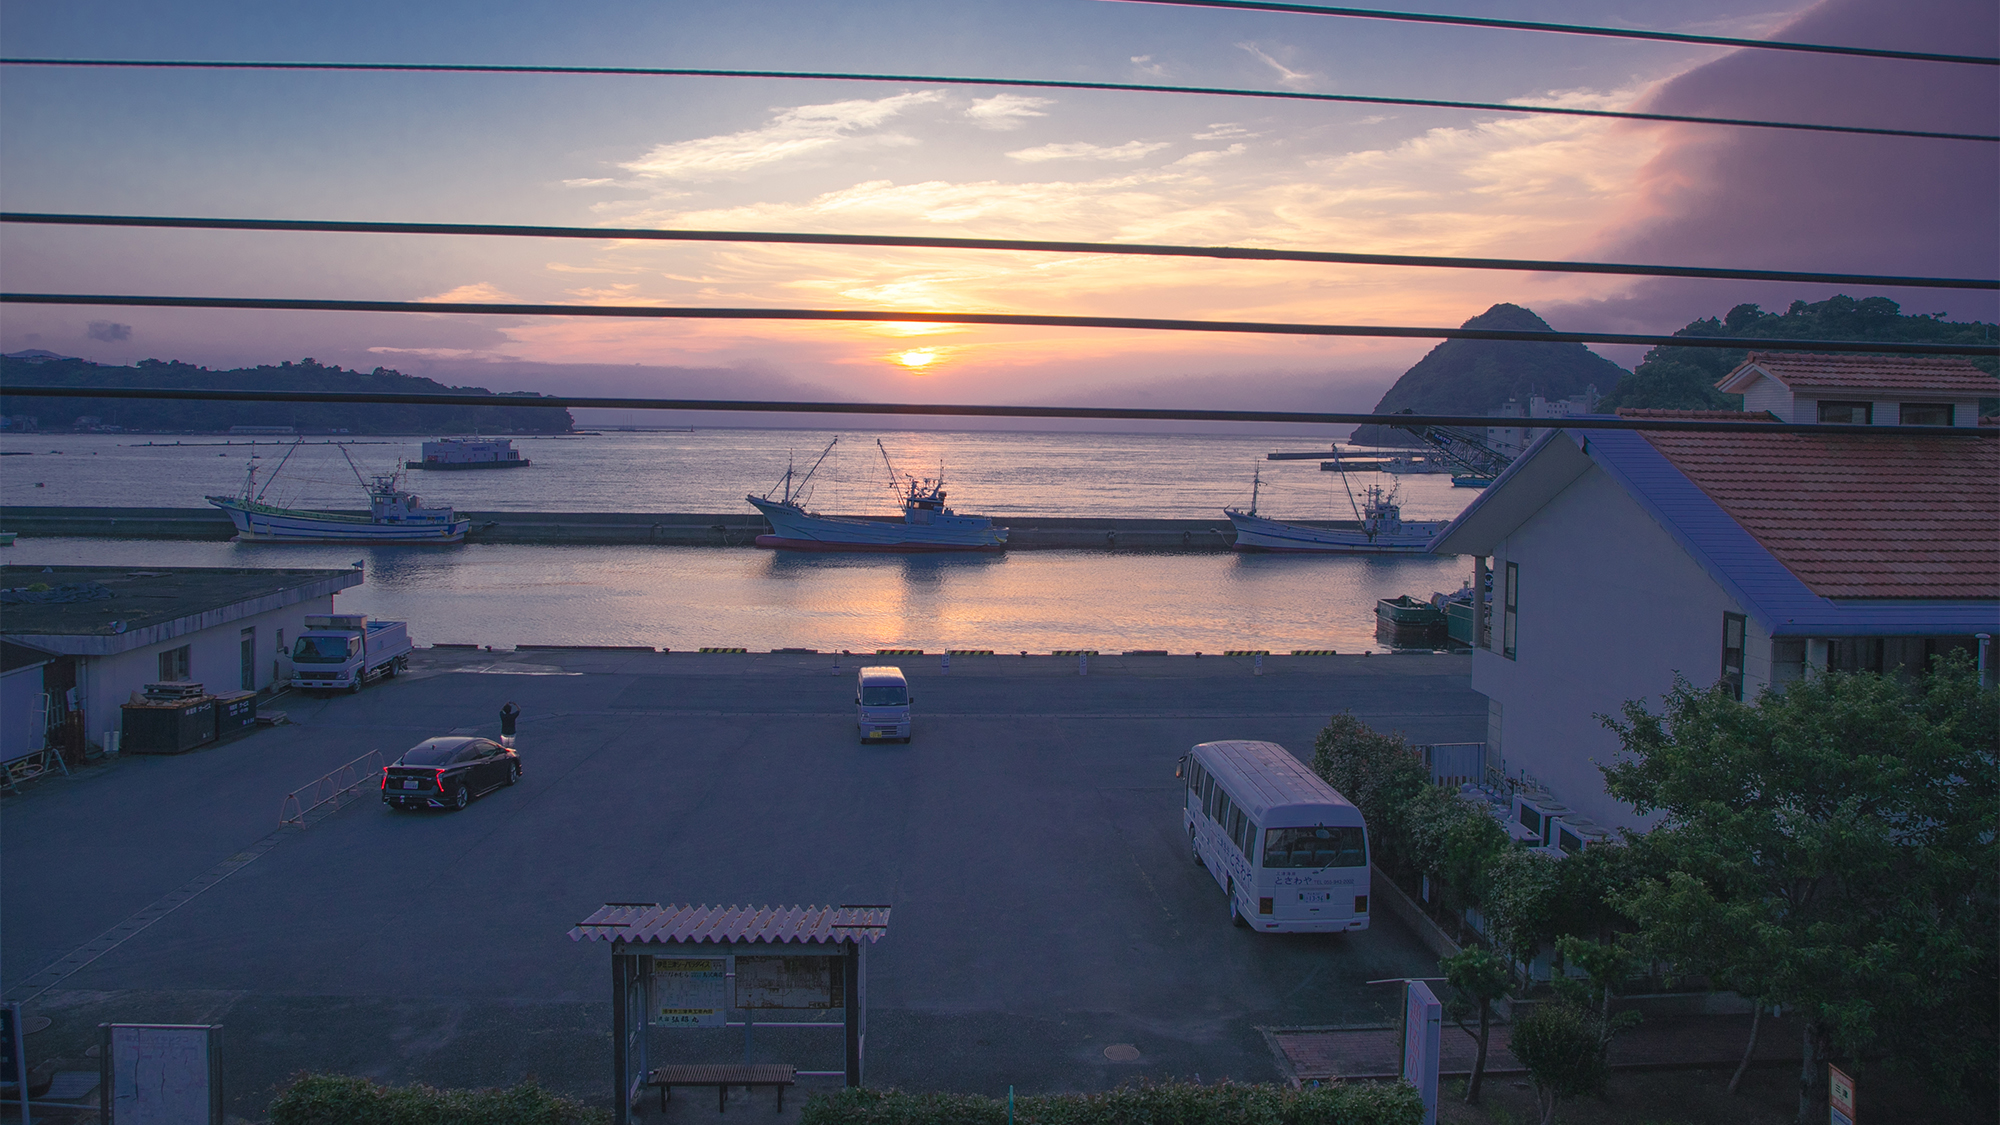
(440, 781)
(1263, 906)
(385, 777)
(1361, 904)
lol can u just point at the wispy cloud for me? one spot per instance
(1005, 111)
(589, 181)
(1209, 156)
(478, 291)
(1145, 65)
(1223, 131)
(1084, 150)
(799, 131)
(1286, 75)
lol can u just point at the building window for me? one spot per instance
(175, 665)
(1847, 413)
(1510, 610)
(1732, 654)
(1925, 414)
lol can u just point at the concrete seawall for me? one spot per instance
(678, 529)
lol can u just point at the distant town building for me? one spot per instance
(20, 423)
(1620, 559)
(1512, 441)
(111, 630)
(283, 430)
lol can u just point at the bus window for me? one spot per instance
(1208, 795)
(1315, 847)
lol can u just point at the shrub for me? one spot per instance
(337, 1099)
(1174, 1103)
(1562, 1047)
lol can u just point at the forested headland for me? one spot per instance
(513, 412)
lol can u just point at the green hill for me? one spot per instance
(307, 375)
(1685, 378)
(1474, 376)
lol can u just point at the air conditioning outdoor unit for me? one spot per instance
(1534, 811)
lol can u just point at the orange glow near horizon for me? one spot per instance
(917, 359)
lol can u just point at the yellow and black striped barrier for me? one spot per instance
(707, 648)
(1074, 652)
(1314, 652)
(1246, 652)
(899, 652)
(969, 652)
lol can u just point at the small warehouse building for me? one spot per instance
(107, 632)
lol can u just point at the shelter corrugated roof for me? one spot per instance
(1858, 516)
(1697, 415)
(686, 923)
(1941, 375)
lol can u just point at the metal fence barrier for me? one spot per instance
(330, 790)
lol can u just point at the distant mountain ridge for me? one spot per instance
(1474, 376)
(513, 412)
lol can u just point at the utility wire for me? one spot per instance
(890, 316)
(1575, 29)
(1032, 83)
(924, 409)
(1153, 250)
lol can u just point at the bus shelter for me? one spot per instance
(688, 966)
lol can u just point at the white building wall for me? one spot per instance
(1769, 394)
(215, 662)
(20, 712)
(1610, 608)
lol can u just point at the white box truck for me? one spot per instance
(342, 651)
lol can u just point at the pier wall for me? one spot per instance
(677, 529)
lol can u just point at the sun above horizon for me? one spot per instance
(917, 359)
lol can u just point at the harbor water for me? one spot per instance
(691, 597)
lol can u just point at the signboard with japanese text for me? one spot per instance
(690, 991)
(791, 983)
(1839, 1097)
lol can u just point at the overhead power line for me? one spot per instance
(891, 316)
(1249, 253)
(1576, 29)
(936, 410)
(1033, 83)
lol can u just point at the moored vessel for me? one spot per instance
(1378, 529)
(394, 515)
(470, 453)
(926, 524)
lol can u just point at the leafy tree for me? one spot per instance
(1559, 1043)
(1378, 772)
(1836, 846)
(1477, 977)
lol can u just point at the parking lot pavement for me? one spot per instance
(1045, 905)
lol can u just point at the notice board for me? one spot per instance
(690, 991)
(813, 983)
(161, 1074)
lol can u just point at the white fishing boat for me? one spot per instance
(394, 515)
(1377, 529)
(926, 525)
(470, 453)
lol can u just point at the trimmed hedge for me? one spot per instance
(337, 1099)
(1175, 1103)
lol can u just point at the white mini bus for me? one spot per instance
(1289, 850)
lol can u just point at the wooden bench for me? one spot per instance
(722, 1076)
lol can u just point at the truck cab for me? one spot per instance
(882, 704)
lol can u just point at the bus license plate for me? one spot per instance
(1315, 896)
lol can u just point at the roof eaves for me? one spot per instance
(1531, 481)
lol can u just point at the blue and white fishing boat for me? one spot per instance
(926, 525)
(1377, 529)
(394, 515)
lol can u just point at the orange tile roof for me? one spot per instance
(1934, 374)
(1696, 415)
(1858, 516)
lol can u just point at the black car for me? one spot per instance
(447, 773)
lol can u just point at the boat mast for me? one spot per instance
(895, 485)
(1256, 484)
(274, 472)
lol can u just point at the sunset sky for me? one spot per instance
(910, 158)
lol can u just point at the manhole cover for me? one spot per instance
(1122, 1052)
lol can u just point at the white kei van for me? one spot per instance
(882, 704)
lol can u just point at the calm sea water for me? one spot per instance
(685, 598)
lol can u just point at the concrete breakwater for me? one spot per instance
(678, 529)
